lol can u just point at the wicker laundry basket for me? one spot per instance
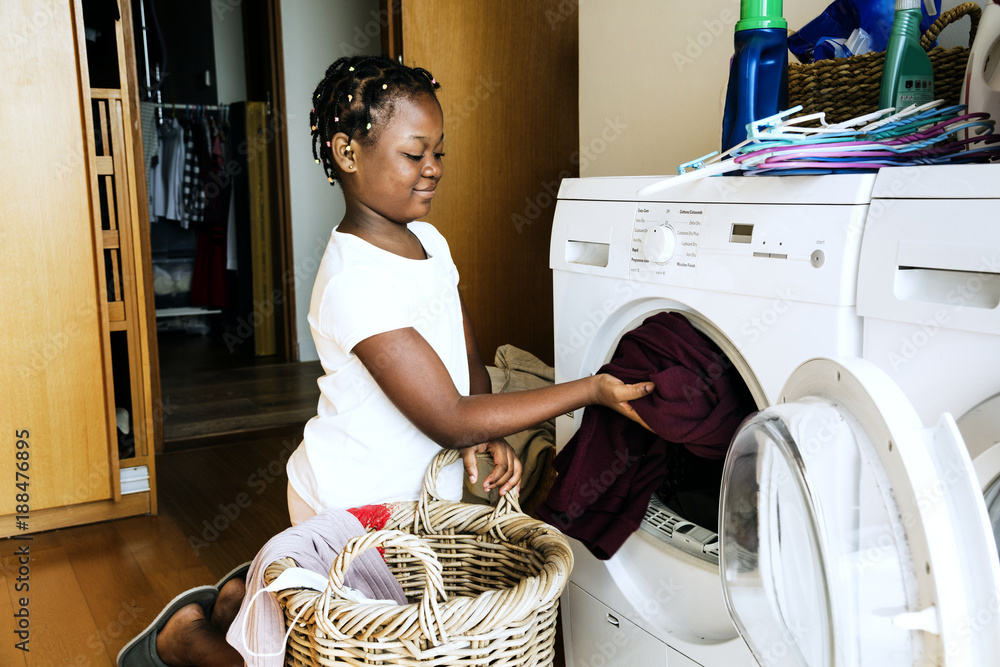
(483, 585)
(845, 88)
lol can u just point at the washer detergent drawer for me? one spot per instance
(602, 636)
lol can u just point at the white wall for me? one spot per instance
(230, 69)
(314, 33)
(652, 74)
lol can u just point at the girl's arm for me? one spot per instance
(415, 379)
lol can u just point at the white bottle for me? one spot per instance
(981, 86)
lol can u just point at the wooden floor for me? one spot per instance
(221, 486)
(211, 396)
(230, 422)
(92, 588)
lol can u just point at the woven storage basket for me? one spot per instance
(483, 585)
(845, 88)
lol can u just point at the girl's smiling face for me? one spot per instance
(395, 176)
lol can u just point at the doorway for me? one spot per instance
(216, 173)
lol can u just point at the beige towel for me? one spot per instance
(517, 370)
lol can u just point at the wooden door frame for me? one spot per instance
(392, 35)
(287, 257)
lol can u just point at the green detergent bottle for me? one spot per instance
(908, 77)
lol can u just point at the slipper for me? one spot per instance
(238, 572)
(141, 651)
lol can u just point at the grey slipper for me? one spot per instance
(141, 651)
(238, 572)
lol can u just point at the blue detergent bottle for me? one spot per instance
(758, 77)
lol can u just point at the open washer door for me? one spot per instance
(853, 535)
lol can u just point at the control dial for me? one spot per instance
(658, 245)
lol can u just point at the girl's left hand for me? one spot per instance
(506, 466)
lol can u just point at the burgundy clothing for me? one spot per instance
(208, 282)
(611, 466)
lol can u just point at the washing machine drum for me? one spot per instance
(852, 535)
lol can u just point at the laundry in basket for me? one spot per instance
(482, 586)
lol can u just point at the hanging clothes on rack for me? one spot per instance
(167, 175)
(197, 156)
(239, 144)
(178, 175)
(190, 188)
(209, 283)
(150, 149)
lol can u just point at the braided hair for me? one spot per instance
(357, 97)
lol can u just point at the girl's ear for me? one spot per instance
(343, 153)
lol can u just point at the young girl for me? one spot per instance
(403, 372)
(403, 376)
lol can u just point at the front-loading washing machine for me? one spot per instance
(833, 545)
(766, 269)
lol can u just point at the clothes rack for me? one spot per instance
(205, 107)
(160, 106)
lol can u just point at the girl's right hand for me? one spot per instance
(611, 392)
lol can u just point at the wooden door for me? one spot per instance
(509, 85)
(53, 397)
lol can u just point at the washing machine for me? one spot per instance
(929, 295)
(766, 269)
(815, 513)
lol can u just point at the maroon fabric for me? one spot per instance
(208, 281)
(611, 466)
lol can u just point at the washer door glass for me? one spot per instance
(851, 534)
(811, 561)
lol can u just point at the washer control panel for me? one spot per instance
(665, 239)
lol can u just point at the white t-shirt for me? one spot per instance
(360, 449)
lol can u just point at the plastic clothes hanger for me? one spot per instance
(952, 153)
(937, 134)
(924, 134)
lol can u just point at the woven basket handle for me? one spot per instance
(429, 612)
(970, 9)
(415, 546)
(442, 460)
(508, 502)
